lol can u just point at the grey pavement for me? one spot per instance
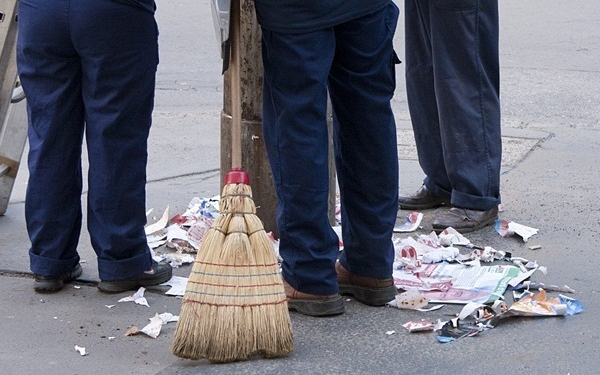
(550, 91)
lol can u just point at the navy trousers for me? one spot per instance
(453, 85)
(355, 61)
(87, 67)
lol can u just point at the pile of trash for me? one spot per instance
(430, 271)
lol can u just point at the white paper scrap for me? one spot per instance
(156, 322)
(164, 220)
(153, 328)
(506, 228)
(137, 297)
(81, 350)
(411, 299)
(169, 318)
(451, 236)
(178, 285)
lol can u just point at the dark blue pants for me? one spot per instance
(87, 67)
(453, 85)
(355, 62)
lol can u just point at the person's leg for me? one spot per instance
(119, 49)
(50, 74)
(362, 83)
(464, 37)
(423, 106)
(295, 132)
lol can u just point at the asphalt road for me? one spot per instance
(550, 92)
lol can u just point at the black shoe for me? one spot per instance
(422, 200)
(465, 220)
(50, 284)
(157, 274)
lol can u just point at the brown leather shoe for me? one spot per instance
(312, 304)
(422, 200)
(367, 290)
(465, 220)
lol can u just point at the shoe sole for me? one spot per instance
(46, 286)
(317, 308)
(369, 296)
(417, 207)
(482, 225)
(125, 285)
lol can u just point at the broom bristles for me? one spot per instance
(234, 306)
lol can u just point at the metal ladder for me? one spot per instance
(13, 124)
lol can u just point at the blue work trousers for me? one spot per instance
(355, 62)
(453, 86)
(87, 67)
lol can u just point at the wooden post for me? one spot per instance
(254, 155)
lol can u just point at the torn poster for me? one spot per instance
(457, 283)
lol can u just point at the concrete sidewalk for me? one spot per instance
(551, 124)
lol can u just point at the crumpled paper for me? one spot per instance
(156, 322)
(506, 228)
(137, 297)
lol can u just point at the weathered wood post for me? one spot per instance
(254, 156)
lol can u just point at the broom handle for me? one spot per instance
(236, 96)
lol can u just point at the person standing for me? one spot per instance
(453, 91)
(88, 67)
(345, 48)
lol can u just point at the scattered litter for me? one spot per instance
(538, 306)
(535, 247)
(551, 288)
(413, 221)
(177, 284)
(456, 283)
(419, 325)
(506, 228)
(428, 249)
(111, 338)
(137, 297)
(109, 306)
(81, 350)
(389, 333)
(411, 300)
(176, 259)
(131, 331)
(338, 230)
(159, 225)
(451, 236)
(455, 329)
(486, 317)
(154, 327)
(77, 286)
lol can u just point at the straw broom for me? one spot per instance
(234, 306)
